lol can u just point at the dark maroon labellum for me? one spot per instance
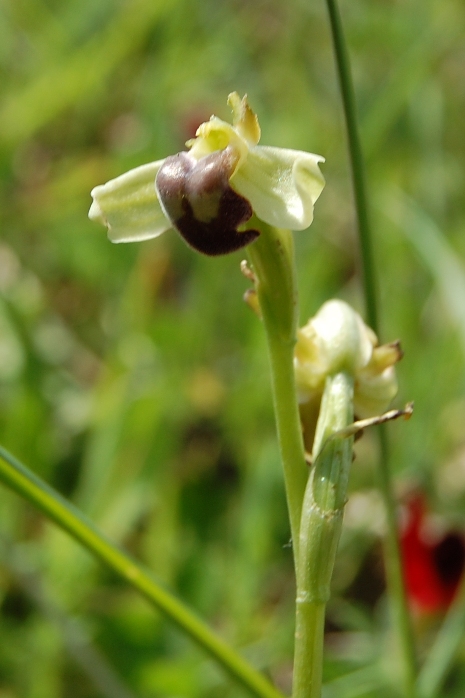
(198, 200)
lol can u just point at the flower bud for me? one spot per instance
(337, 340)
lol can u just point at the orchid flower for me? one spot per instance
(209, 192)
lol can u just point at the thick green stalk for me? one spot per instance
(309, 645)
(393, 555)
(320, 531)
(272, 257)
(16, 476)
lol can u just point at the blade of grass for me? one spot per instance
(16, 476)
(444, 649)
(393, 555)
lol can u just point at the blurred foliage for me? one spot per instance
(134, 379)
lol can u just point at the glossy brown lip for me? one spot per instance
(198, 200)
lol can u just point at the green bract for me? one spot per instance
(214, 187)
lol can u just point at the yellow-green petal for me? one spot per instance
(129, 206)
(282, 185)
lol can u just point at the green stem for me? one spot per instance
(272, 257)
(320, 531)
(309, 644)
(356, 161)
(16, 476)
(393, 556)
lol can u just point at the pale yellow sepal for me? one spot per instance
(128, 205)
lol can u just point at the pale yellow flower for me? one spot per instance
(209, 192)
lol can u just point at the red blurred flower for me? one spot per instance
(433, 562)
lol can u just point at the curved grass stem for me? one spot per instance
(25, 483)
(444, 649)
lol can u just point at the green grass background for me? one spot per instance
(135, 380)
